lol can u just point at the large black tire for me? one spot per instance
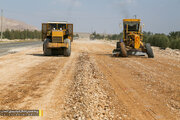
(67, 51)
(46, 51)
(149, 51)
(123, 50)
(118, 45)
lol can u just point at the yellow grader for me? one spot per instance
(132, 40)
(57, 37)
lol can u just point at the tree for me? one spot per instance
(174, 35)
(160, 40)
(6, 34)
(146, 35)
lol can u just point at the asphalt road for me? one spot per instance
(6, 48)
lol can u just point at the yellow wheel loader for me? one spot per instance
(132, 40)
(57, 38)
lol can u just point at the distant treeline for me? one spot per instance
(26, 34)
(172, 40)
(76, 35)
(95, 35)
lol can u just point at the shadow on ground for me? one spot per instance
(129, 56)
(42, 55)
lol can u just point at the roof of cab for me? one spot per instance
(59, 22)
(131, 20)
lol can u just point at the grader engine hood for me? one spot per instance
(136, 40)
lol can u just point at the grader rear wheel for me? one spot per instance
(149, 50)
(123, 50)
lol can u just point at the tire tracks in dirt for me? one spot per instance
(29, 89)
(140, 104)
(163, 85)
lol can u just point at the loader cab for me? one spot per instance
(60, 29)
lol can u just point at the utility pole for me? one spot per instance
(27, 32)
(1, 24)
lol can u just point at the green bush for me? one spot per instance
(174, 35)
(146, 35)
(159, 40)
(94, 35)
(115, 36)
(174, 38)
(175, 43)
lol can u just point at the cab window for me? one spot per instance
(61, 26)
(52, 26)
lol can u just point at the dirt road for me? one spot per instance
(91, 84)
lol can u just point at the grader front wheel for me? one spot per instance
(123, 50)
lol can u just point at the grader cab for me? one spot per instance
(132, 40)
(57, 37)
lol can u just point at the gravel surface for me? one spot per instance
(89, 96)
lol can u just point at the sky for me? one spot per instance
(102, 16)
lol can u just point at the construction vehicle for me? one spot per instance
(132, 41)
(57, 37)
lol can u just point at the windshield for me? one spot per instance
(61, 26)
(52, 26)
(132, 26)
(56, 26)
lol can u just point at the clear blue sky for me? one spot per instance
(104, 16)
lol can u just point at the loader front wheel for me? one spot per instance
(149, 51)
(46, 51)
(67, 51)
(123, 50)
